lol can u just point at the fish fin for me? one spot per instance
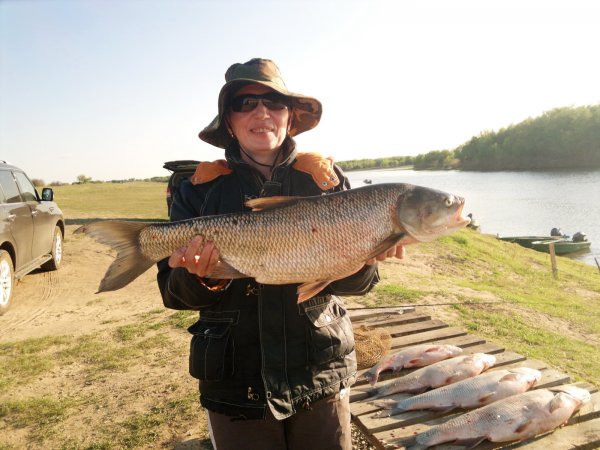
(413, 362)
(224, 271)
(433, 348)
(444, 409)
(385, 403)
(385, 245)
(122, 236)
(371, 377)
(266, 203)
(380, 414)
(523, 426)
(486, 397)
(310, 289)
(509, 377)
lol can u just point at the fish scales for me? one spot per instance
(311, 240)
(439, 374)
(414, 356)
(314, 248)
(518, 417)
(472, 392)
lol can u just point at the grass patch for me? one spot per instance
(392, 294)
(25, 360)
(40, 414)
(569, 355)
(137, 200)
(183, 319)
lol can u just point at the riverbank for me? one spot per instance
(80, 370)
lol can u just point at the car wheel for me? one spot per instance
(57, 251)
(7, 278)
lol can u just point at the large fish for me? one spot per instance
(473, 392)
(414, 356)
(307, 240)
(518, 417)
(439, 374)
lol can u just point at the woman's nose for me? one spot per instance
(261, 109)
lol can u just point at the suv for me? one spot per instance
(31, 230)
(181, 169)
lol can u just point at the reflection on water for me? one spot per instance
(515, 203)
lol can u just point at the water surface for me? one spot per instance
(515, 203)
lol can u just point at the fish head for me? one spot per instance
(453, 350)
(527, 374)
(427, 214)
(573, 393)
(485, 359)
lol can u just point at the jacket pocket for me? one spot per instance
(211, 349)
(331, 336)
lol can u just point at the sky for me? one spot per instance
(111, 89)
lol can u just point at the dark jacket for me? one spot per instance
(254, 345)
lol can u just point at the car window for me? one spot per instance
(27, 189)
(9, 187)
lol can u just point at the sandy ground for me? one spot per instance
(64, 303)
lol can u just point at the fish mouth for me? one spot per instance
(447, 226)
(459, 220)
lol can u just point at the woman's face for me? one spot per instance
(260, 131)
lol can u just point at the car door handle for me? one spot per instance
(34, 213)
(11, 217)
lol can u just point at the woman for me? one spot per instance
(274, 374)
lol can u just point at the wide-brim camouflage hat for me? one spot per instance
(305, 111)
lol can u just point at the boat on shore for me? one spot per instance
(527, 241)
(561, 246)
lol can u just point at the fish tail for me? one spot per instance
(123, 237)
(371, 377)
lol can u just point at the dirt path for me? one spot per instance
(64, 302)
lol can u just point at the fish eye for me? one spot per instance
(449, 201)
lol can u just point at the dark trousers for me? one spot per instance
(325, 427)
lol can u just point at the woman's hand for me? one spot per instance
(199, 257)
(397, 251)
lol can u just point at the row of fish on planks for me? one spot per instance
(506, 409)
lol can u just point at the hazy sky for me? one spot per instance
(113, 88)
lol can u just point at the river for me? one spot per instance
(515, 203)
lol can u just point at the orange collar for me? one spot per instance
(318, 167)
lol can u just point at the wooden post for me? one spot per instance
(597, 263)
(553, 260)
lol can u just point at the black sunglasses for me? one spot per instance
(248, 102)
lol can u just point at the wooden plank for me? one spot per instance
(390, 319)
(427, 336)
(417, 327)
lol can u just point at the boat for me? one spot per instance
(561, 246)
(527, 241)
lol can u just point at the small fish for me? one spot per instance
(311, 241)
(519, 417)
(414, 356)
(439, 374)
(473, 392)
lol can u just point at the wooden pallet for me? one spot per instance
(409, 327)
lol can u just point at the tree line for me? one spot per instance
(563, 138)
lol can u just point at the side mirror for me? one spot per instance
(47, 194)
